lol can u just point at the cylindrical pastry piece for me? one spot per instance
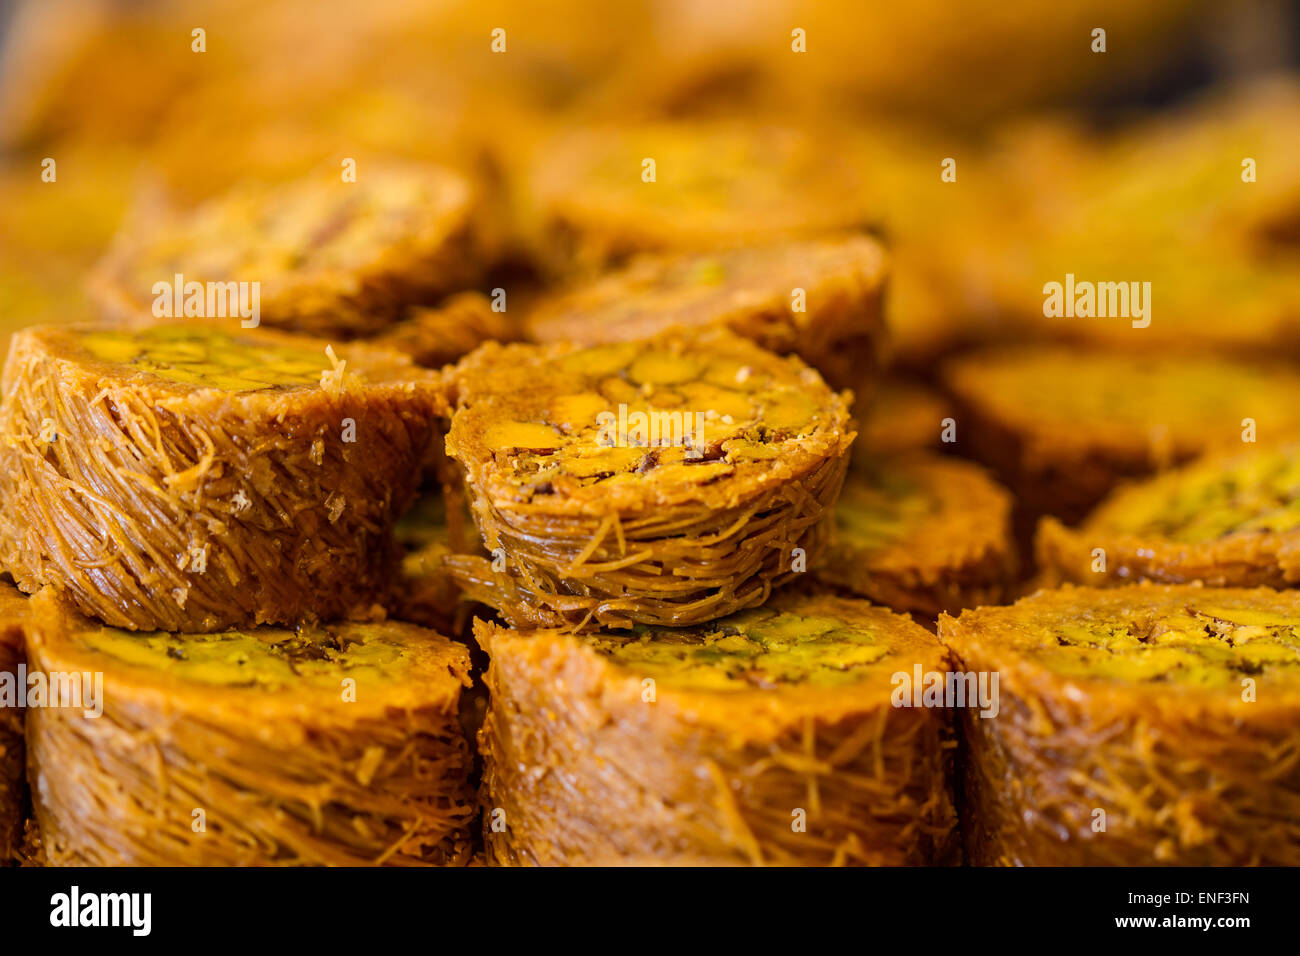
(1216, 252)
(434, 336)
(668, 481)
(771, 736)
(1229, 521)
(901, 415)
(922, 534)
(179, 477)
(1064, 426)
(333, 744)
(820, 299)
(329, 256)
(13, 698)
(1145, 725)
(595, 196)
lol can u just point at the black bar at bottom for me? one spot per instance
(755, 907)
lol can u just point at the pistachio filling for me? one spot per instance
(266, 659)
(206, 357)
(762, 647)
(882, 508)
(738, 286)
(629, 409)
(1206, 502)
(306, 226)
(1210, 645)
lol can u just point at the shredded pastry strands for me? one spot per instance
(675, 541)
(329, 259)
(714, 774)
(179, 490)
(183, 770)
(1227, 521)
(837, 327)
(924, 534)
(1130, 702)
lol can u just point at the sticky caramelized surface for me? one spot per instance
(681, 410)
(818, 642)
(207, 357)
(1108, 394)
(313, 226)
(263, 659)
(1252, 494)
(885, 506)
(715, 181)
(741, 287)
(1178, 636)
(918, 507)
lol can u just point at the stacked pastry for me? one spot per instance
(657, 483)
(329, 744)
(767, 736)
(667, 480)
(1143, 725)
(707, 517)
(672, 679)
(207, 511)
